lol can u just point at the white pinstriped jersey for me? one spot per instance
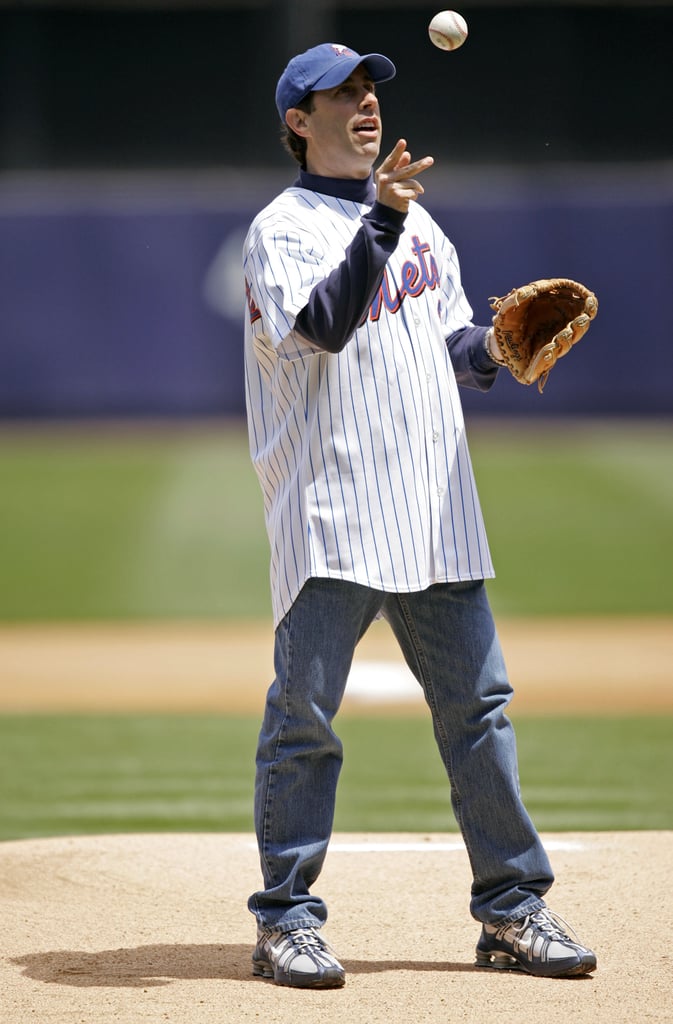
(361, 455)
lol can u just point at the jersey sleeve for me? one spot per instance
(339, 303)
(311, 294)
(281, 265)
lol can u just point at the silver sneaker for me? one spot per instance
(300, 958)
(538, 944)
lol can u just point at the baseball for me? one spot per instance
(448, 30)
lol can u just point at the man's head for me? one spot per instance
(323, 67)
(326, 100)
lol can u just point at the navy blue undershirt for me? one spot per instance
(340, 302)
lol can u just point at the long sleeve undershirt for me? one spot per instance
(339, 303)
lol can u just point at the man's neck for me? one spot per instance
(357, 190)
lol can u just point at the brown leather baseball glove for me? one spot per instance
(537, 324)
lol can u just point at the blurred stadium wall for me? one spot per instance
(137, 141)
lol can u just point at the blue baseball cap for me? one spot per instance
(324, 67)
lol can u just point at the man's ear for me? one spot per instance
(296, 120)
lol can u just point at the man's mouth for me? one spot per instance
(366, 127)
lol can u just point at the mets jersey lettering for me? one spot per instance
(416, 276)
(361, 454)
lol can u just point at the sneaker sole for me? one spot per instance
(501, 961)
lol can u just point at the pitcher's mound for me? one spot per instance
(136, 928)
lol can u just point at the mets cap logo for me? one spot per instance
(341, 51)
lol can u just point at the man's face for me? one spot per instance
(344, 129)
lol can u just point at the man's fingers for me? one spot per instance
(401, 180)
(416, 167)
(399, 158)
(396, 182)
(410, 188)
(404, 168)
(394, 156)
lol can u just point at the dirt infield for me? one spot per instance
(127, 929)
(584, 665)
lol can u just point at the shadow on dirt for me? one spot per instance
(152, 966)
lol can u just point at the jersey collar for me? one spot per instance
(357, 190)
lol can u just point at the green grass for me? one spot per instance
(119, 523)
(580, 516)
(112, 524)
(105, 774)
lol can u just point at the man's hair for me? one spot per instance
(293, 143)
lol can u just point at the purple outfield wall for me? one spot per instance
(122, 297)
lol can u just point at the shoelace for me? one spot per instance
(307, 938)
(301, 937)
(553, 925)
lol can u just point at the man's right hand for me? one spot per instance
(396, 185)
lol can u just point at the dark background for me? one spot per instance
(101, 85)
(137, 141)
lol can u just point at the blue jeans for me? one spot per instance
(449, 641)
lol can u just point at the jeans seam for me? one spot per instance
(422, 664)
(279, 742)
(436, 718)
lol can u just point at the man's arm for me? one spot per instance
(470, 352)
(339, 303)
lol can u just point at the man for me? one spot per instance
(357, 337)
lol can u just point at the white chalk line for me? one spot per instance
(433, 847)
(413, 846)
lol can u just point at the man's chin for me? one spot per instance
(368, 153)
